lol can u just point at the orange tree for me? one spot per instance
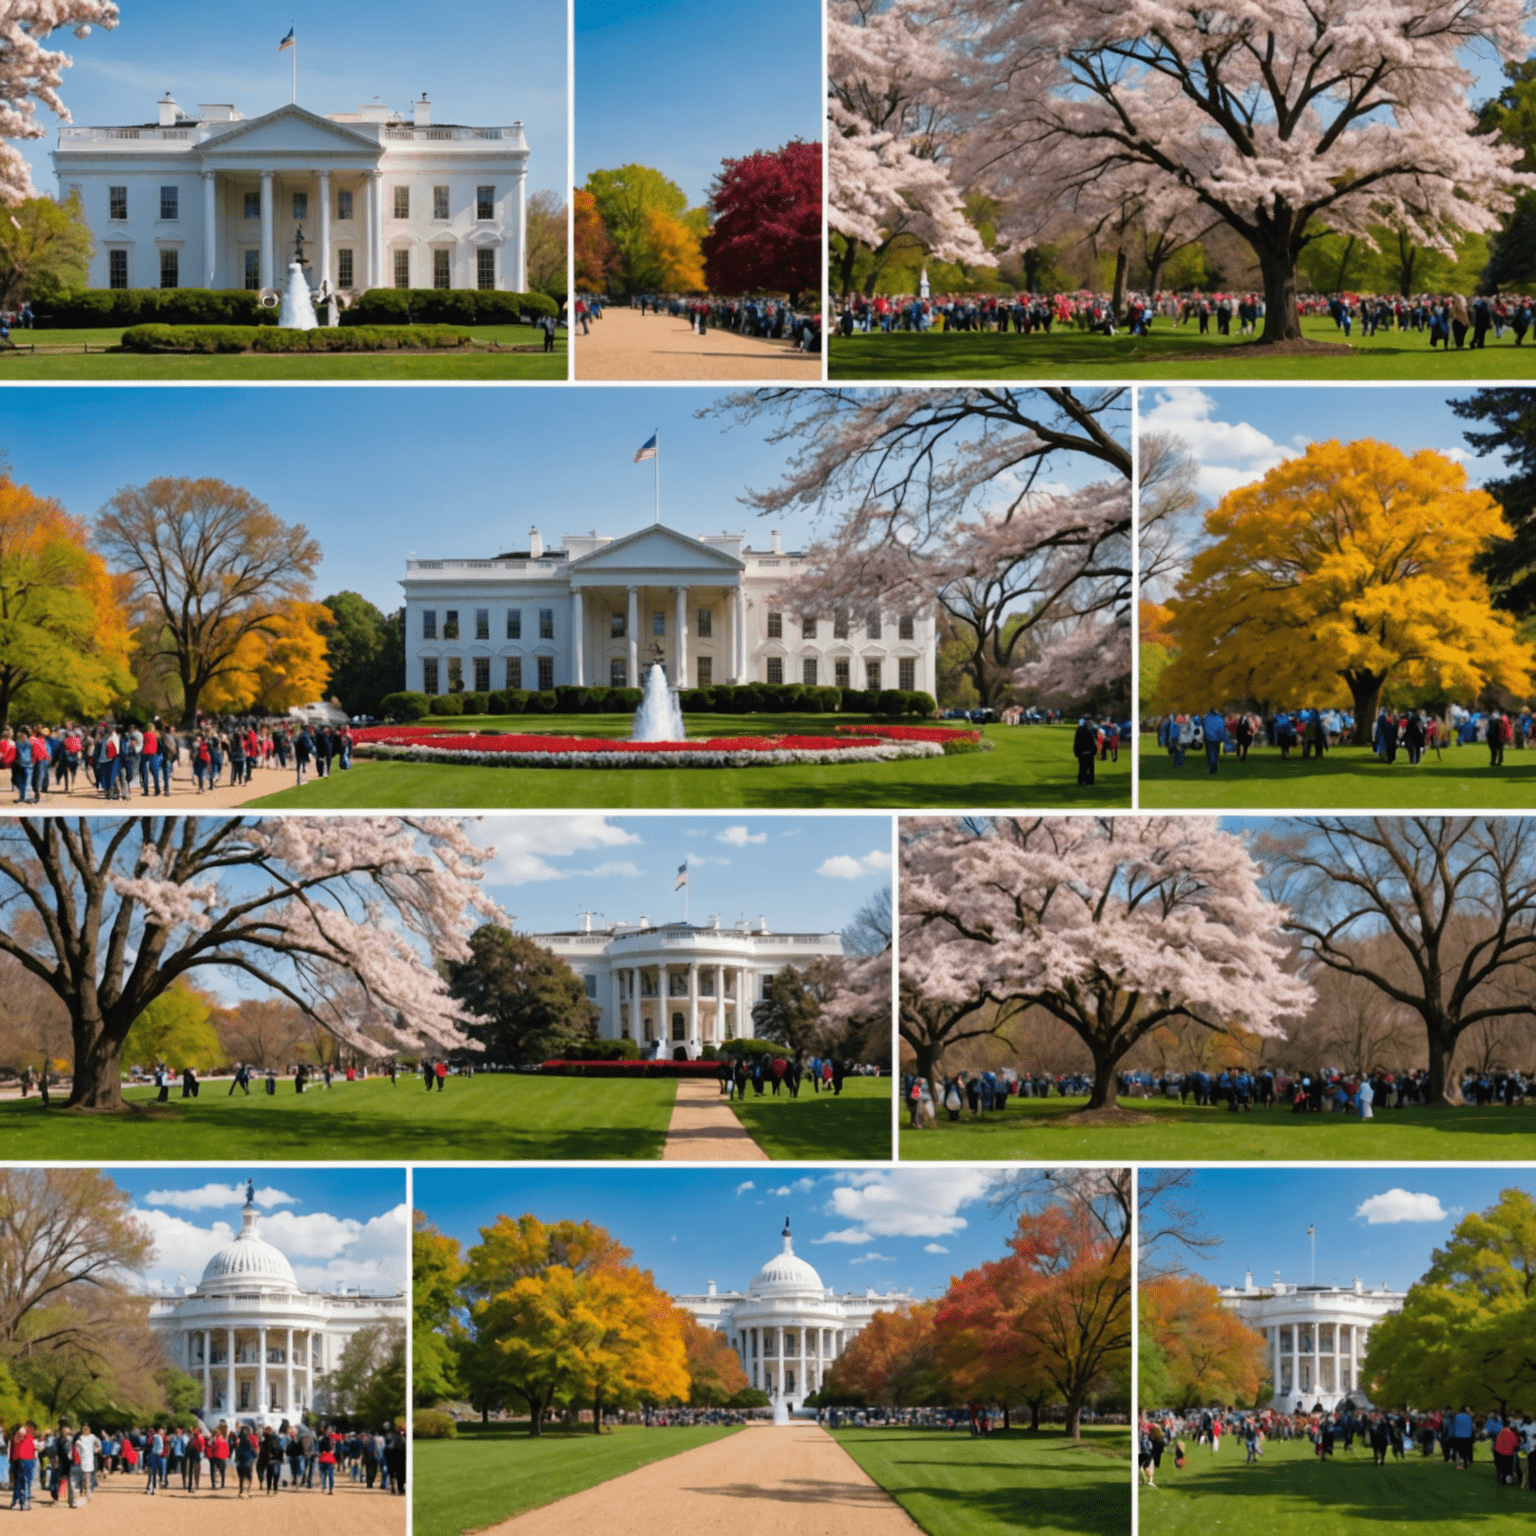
(1208, 1353)
(1341, 570)
(715, 1374)
(890, 1361)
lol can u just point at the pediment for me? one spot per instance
(288, 131)
(657, 548)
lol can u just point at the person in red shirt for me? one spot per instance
(23, 1465)
(218, 1456)
(192, 1464)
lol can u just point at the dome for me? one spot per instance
(785, 1274)
(248, 1261)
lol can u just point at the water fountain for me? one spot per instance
(659, 718)
(295, 303)
(780, 1411)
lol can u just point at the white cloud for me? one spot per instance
(843, 866)
(909, 1202)
(851, 1235)
(1230, 453)
(873, 1258)
(525, 845)
(619, 867)
(934, 1248)
(744, 1186)
(799, 1187)
(739, 837)
(1399, 1205)
(208, 1197)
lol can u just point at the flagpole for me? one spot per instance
(1312, 1233)
(294, 93)
(657, 460)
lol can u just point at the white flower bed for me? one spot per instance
(882, 752)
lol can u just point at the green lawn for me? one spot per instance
(853, 1124)
(63, 355)
(953, 1485)
(1031, 766)
(1287, 1491)
(1041, 1130)
(493, 1116)
(494, 1471)
(1459, 778)
(1165, 355)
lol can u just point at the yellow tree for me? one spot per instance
(1210, 1354)
(277, 666)
(638, 1353)
(676, 251)
(177, 1028)
(1342, 569)
(64, 632)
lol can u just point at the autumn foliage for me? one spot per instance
(1209, 1354)
(766, 236)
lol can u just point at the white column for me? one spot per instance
(229, 1390)
(681, 679)
(744, 1003)
(207, 1372)
(719, 1004)
(288, 1376)
(616, 1023)
(693, 1005)
(514, 274)
(578, 625)
(1276, 1398)
(210, 231)
(323, 258)
(374, 263)
(268, 234)
(744, 662)
(261, 1370)
(632, 629)
(733, 666)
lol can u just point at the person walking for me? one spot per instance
(1085, 748)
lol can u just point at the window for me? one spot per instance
(590, 985)
(170, 269)
(872, 675)
(872, 626)
(706, 671)
(429, 675)
(839, 626)
(485, 202)
(482, 674)
(546, 673)
(840, 672)
(658, 621)
(482, 623)
(344, 269)
(117, 203)
(618, 673)
(455, 675)
(807, 629)
(808, 671)
(904, 626)
(439, 202)
(117, 269)
(906, 674)
(253, 205)
(442, 273)
(706, 630)
(514, 672)
(403, 268)
(300, 207)
(616, 626)
(775, 669)
(514, 623)
(402, 202)
(485, 268)
(546, 623)
(451, 624)
(252, 274)
(775, 626)
(343, 205)
(1287, 1345)
(170, 201)
(679, 1027)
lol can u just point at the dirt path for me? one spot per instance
(183, 798)
(796, 1481)
(120, 1507)
(704, 1128)
(625, 344)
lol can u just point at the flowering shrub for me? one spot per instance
(710, 1069)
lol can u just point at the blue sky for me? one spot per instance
(680, 85)
(347, 1226)
(348, 54)
(1381, 1224)
(897, 1229)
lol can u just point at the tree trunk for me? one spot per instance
(1443, 1091)
(1106, 1091)
(1075, 1416)
(1282, 319)
(1034, 1414)
(535, 1420)
(97, 1083)
(485, 1414)
(1031, 269)
(1007, 1417)
(597, 1413)
(1365, 690)
(1117, 298)
(845, 266)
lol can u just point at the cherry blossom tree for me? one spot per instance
(1114, 925)
(1285, 121)
(31, 73)
(109, 914)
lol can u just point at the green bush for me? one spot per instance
(405, 705)
(920, 703)
(97, 307)
(452, 306)
(448, 704)
(709, 1054)
(431, 1424)
(568, 699)
(747, 1049)
(603, 1050)
(831, 700)
(890, 702)
(695, 701)
(268, 338)
(544, 702)
(475, 703)
(624, 701)
(856, 701)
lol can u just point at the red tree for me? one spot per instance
(767, 232)
(597, 257)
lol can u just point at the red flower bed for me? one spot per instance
(632, 1068)
(420, 736)
(936, 733)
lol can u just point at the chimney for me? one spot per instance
(1359, 1286)
(535, 545)
(778, 542)
(711, 1287)
(422, 111)
(762, 925)
(1248, 1284)
(170, 113)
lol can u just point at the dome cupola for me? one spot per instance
(785, 1274)
(248, 1263)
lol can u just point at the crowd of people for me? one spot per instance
(115, 761)
(1456, 1433)
(983, 1093)
(69, 1463)
(764, 319)
(771, 1074)
(1326, 1090)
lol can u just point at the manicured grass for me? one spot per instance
(853, 1124)
(1459, 778)
(494, 1471)
(953, 1485)
(1165, 355)
(493, 1116)
(62, 358)
(1041, 1130)
(1031, 766)
(1287, 1491)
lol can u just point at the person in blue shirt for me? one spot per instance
(1215, 729)
(1463, 1433)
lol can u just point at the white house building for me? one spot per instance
(787, 1328)
(1316, 1335)
(261, 1345)
(597, 611)
(212, 199)
(678, 987)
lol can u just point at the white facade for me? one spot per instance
(678, 987)
(598, 611)
(1317, 1337)
(215, 200)
(260, 1345)
(787, 1327)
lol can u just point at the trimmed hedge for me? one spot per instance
(448, 704)
(447, 306)
(405, 706)
(744, 699)
(752, 1047)
(631, 1069)
(267, 338)
(431, 1424)
(605, 1050)
(97, 307)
